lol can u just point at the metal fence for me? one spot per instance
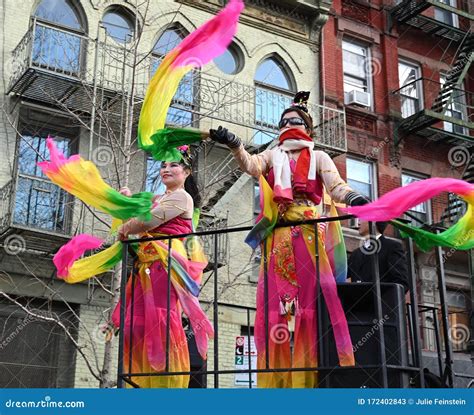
(382, 370)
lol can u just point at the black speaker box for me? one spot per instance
(358, 302)
(198, 378)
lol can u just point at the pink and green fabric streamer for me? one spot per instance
(168, 139)
(196, 50)
(267, 218)
(395, 203)
(72, 269)
(82, 179)
(336, 247)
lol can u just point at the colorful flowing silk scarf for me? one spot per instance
(303, 180)
(336, 247)
(73, 270)
(196, 50)
(267, 218)
(393, 204)
(82, 179)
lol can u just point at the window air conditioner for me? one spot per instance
(354, 223)
(358, 98)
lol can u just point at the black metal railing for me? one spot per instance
(381, 369)
(425, 103)
(434, 17)
(62, 67)
(5, 202)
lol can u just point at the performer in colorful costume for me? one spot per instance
(172, 214)
(291, 177)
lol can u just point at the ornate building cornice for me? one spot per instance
(298, 18)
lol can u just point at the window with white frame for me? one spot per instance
(273, 95)
(39, 203)
(119, 24)
(361, 176)
(446, 16)
(422, 211)
(59, 40)
(410, 88)
(456, 108)
(356, 65)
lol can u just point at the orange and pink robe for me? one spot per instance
(148, 325)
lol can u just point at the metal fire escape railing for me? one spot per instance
(450, 109)
(125, 373)
(57, 67)
(5, 202)
(434, 17)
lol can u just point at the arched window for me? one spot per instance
(58, 44)
(60, 12)
(273, 93)
(169, 39)
(119, 24)
(179, 113)
(231, 61)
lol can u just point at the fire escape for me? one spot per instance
(444, 111)
(448, 111)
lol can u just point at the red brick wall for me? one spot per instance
(368, 129)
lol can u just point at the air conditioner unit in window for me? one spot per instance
(358, 98)
(354, 223)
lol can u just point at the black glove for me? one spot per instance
(356, 199)
(223, 136)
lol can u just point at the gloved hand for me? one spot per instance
(224, 136)
(356, 199)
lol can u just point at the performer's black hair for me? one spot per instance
(300, 105)
(381, 226)
(190, 184)
(191, 187)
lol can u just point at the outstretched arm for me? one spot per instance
(255, 165)
(337, 188)
(171, 206)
